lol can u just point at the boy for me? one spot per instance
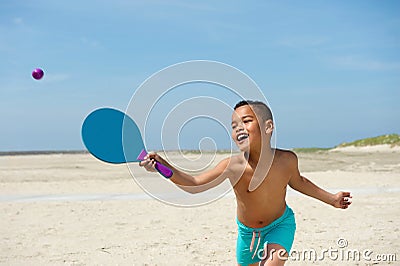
(259, 176)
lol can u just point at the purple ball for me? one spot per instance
(37, 73)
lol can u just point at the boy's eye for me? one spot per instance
(247, 121)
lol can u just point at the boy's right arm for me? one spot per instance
(189, 183)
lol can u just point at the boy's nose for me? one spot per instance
(239, 128)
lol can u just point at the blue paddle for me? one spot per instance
(113, 137)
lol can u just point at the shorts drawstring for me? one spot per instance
(252, 242)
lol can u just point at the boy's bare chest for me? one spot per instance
(263, 181)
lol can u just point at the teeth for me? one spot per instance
(242, 137)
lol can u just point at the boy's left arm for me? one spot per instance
(305, 186)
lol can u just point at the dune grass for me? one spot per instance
(391, 139)
(310, 150)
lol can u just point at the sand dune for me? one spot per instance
(383, 148)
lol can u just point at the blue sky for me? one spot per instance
(329, 69)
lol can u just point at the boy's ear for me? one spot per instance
(269, 126)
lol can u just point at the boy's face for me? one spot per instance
(245, 128)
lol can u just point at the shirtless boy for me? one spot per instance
(259, 176)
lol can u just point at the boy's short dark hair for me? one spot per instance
(260, 108)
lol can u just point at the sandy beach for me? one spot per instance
(71, 209)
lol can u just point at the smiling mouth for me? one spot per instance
(242, 136)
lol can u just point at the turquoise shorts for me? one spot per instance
(251, 241)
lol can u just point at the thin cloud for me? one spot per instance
(89, 42)
(179, 4)
(56, 77)
(360, 63)
(303, 41)
(18, 21)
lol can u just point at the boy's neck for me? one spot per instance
(260, 161)
(265, 153)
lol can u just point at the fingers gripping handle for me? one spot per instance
(162, 169)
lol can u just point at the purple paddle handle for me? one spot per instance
(163, 170)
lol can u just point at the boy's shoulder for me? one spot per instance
(281, 154)
(286, 156)
(236, 159)
(232, 160)
(281, 157)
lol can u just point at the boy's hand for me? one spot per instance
(341, 200)
(149, 162)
